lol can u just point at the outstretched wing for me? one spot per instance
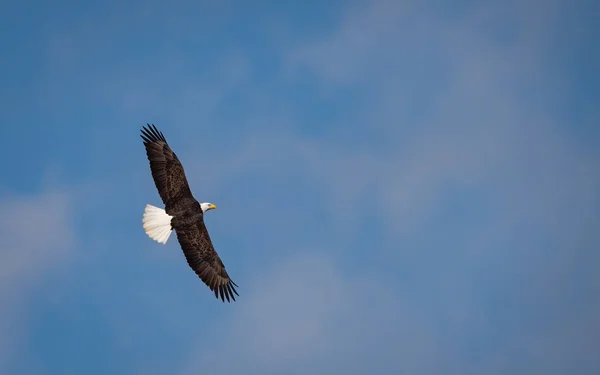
(204, 260)
(166, 168)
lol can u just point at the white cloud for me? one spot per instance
(478, 126)
(36, 238)
(482, 123)
(375, 39)
(304, 316)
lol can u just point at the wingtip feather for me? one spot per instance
(225, 291)
(150, 134)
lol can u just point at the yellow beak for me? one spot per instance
(212, 206)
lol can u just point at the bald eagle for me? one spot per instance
(183, 214)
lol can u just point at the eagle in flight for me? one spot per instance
(184, 214)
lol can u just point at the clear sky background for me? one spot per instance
(403, 187)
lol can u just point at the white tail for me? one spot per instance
(157, 224)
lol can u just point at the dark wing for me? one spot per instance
(204, 260)
(166, 168)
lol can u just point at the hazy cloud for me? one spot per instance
(305, 316)
(36, 237)
(461, 106)
(402, 196)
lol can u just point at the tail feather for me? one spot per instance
(157, 223)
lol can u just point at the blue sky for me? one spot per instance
(403, 187)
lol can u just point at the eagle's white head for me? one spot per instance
(207, 206)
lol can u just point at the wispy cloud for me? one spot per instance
(453, 102)
(408, 191)
(306, 316)
(37, 236)
(453, 99)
